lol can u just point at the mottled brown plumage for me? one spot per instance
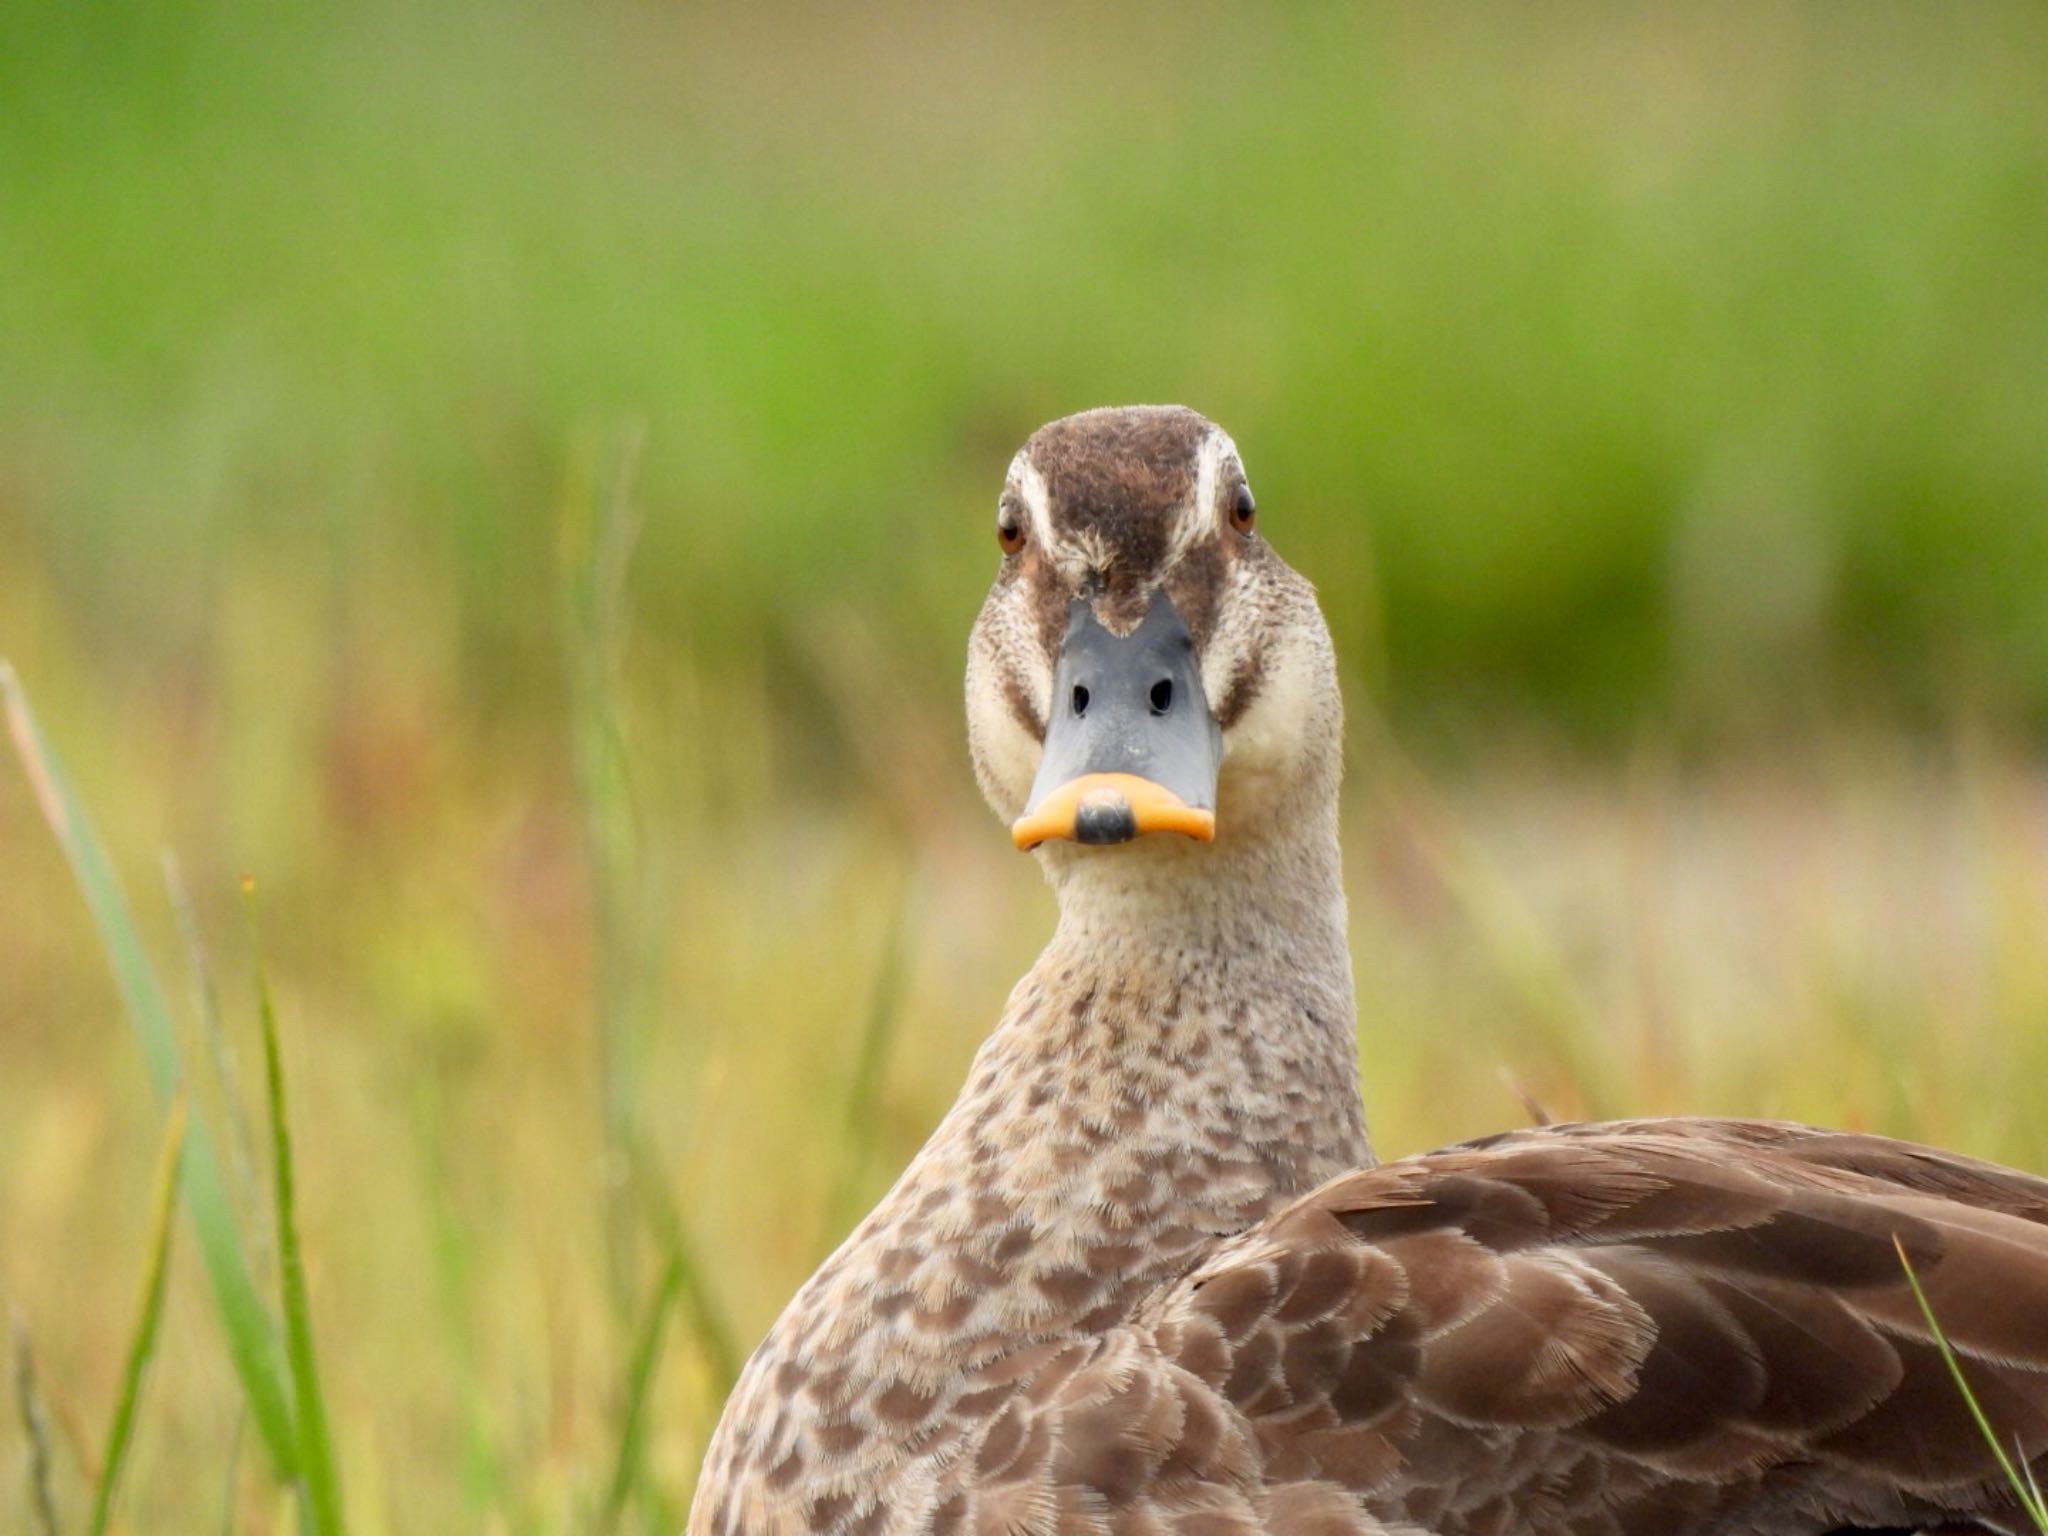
(1143, 1279)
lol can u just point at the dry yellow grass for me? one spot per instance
(1849, 933)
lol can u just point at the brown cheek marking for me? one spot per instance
(1245, 684)
(1250, 675)
(1195, 586)
(1048, 605)
(1023, 708)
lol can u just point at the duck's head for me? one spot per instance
(1146, 670)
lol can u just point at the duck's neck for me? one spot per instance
(1209, 987)
(1180, 1061)
(1251, 913)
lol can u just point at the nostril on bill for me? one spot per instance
(1162, 696)
(1080, 701)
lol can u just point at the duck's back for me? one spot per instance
(1658, 1327)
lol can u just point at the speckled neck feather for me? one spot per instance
(1180, 1062)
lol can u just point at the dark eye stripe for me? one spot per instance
(1023, 708)
(1245, 682)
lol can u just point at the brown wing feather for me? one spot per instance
(1658, 1326)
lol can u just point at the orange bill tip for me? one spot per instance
(1111, 808)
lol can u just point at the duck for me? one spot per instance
(1146, 1277)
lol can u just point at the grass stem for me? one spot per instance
(251, 1335)
(225, 1086)
(42, 1495)
(2024, 1489)
(321, 1481)
(709, 1329)
(600, 529)
(628, 1462)
(148, 1319)
(857, 1132)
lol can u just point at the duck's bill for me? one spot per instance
(1111, 808)
(1131, 748)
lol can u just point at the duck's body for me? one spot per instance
(1144, 1279)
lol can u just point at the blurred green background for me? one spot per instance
(1594, 361)
(1657, 397)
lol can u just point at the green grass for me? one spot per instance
(302, 1450)
(221, 1084)
(599, 530)
(857, 1135)
(628, 1468)
(41, 1490)
(599, 533)
(1654, 399)
(251, 1335)
(1734, 941)
(2019, 1477)
(1599, 363)
(148, 1318)
(316, 1458)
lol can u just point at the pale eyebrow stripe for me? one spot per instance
(1202, 517)
(1037, 501)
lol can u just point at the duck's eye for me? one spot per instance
(1242, 512)
(1009, 531)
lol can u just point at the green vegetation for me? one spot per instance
(250, 1333)
(149, 1317)
(517, 479)
(40, 1495)
(316, 1461)
(2021, 1475)
(1595, 364)
(627, 1470)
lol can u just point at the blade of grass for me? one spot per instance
(2023, 1489)
(42, 1497)
(627, 1461)
(316, 1446)
(484, 1471)
(1531, 1105)
(600, 528)
(231, 1476)
(71, 1428)
(857, 1132)
(149, 1317)
(1522, 949)
(251, 1335)
(713, 1335)
(220, 1057)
